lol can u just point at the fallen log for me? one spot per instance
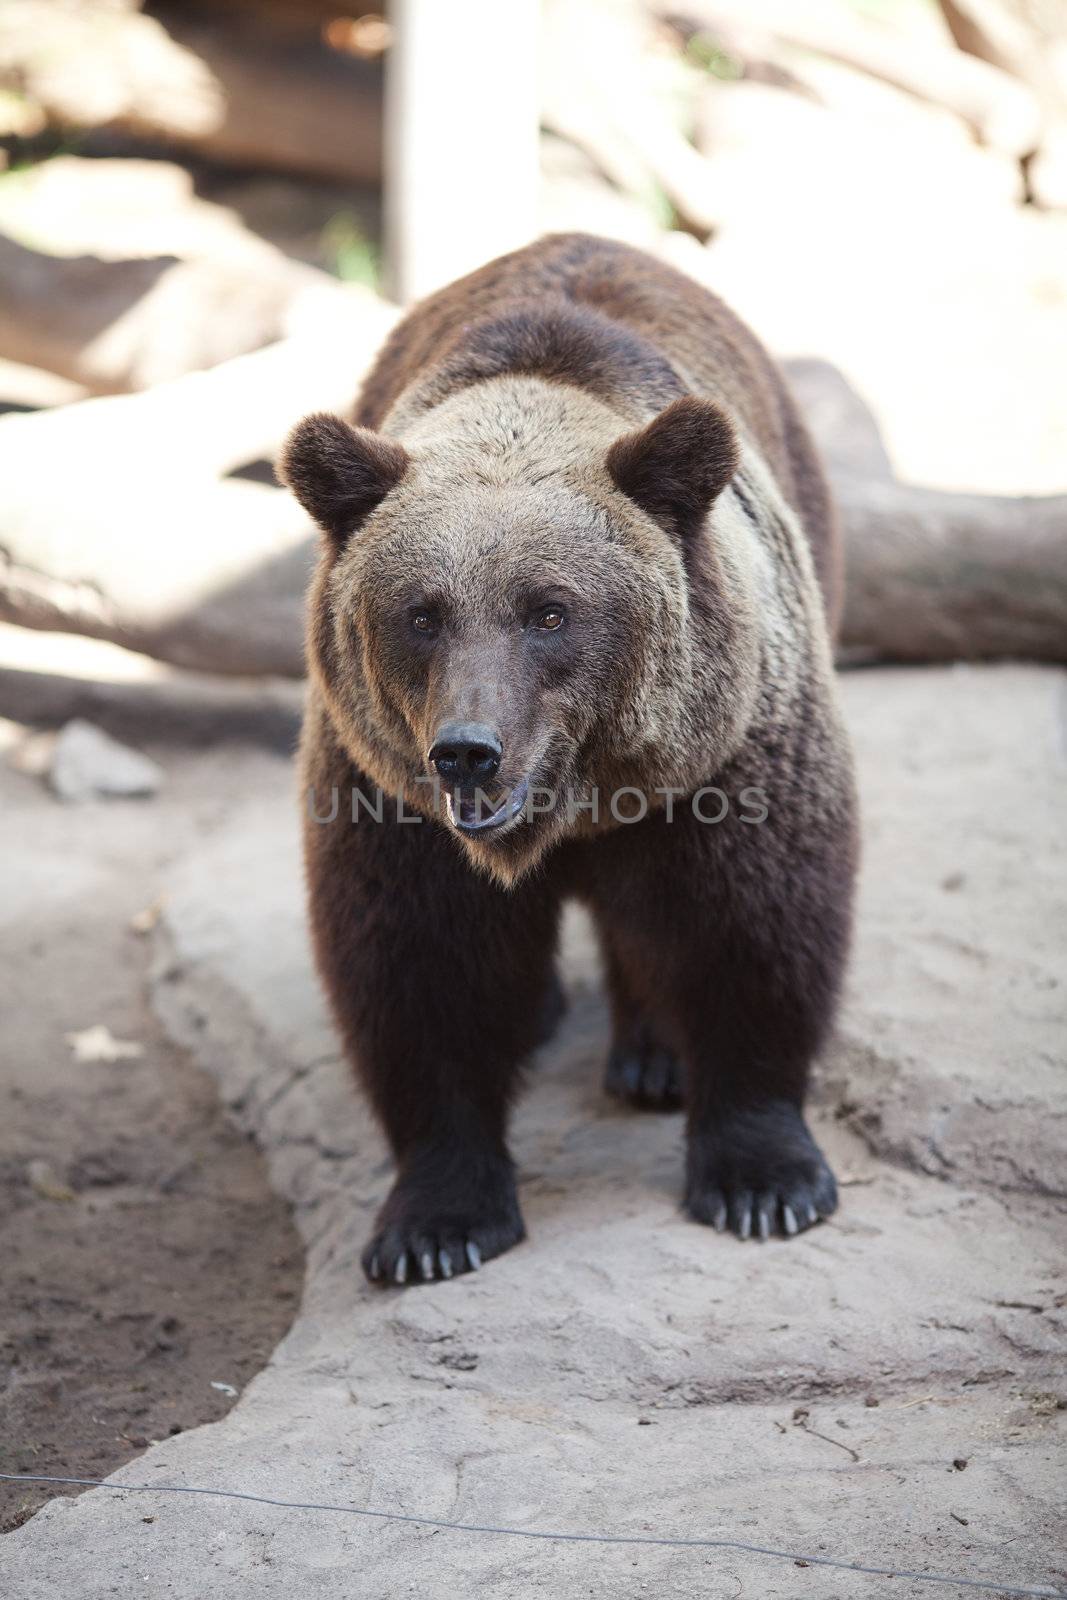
(117, 519)
(1001, 110)
(992, 32)
(599, 98)
(208, 577)
(110, 325)
(79, 64)
(1023, 37)
(168, 706)
(250, 86)
(115, 523)
(323, 106)
(642, 153)
(1010, 37)
(845, 427)
(933, 576)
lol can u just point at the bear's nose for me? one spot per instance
(466, 752)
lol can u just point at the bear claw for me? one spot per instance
(422, 1265)
(428, 1250)
(750, 1218)
(759, 1173)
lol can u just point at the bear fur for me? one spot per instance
(579, 512)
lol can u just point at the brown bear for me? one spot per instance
(569, 636)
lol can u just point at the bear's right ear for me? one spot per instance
(675, 467)
(339, 473)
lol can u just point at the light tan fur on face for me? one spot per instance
(507, 488)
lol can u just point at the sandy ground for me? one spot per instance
(144, 1257)
(889, 1389)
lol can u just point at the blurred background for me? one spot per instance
(878, 186)
(211, 214)
(882, 183)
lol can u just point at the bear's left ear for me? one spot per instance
(339, 473)
(675, 467)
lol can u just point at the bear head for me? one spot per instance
(530, 598)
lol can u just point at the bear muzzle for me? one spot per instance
(471, 813)
(466, 756)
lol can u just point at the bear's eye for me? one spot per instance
(551, 618)
(423, 622)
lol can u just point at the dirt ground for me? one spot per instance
(623, 1370)
(146, 1268)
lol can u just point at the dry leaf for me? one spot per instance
(144, 921)
(45, 1181)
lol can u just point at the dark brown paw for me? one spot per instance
(424, 1232)
(759, 1173)
(644, 1074)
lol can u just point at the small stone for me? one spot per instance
(959, 1463)
(86, 762)
(33, 756)
(99, 1044)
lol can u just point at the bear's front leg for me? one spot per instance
(735, 934)
(438, 980)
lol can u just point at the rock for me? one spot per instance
(28, 750)
(98, 1043)
(87, 762)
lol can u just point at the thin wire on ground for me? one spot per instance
(560, 1538)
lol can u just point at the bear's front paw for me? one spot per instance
(426, 1232)
(758, 1172)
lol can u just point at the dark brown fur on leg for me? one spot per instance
(437, 978)
(642, 1069)
(748, 995)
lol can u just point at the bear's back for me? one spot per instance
(684, 323)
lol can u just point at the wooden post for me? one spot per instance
(462, 118)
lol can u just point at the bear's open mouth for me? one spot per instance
(471, 813)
